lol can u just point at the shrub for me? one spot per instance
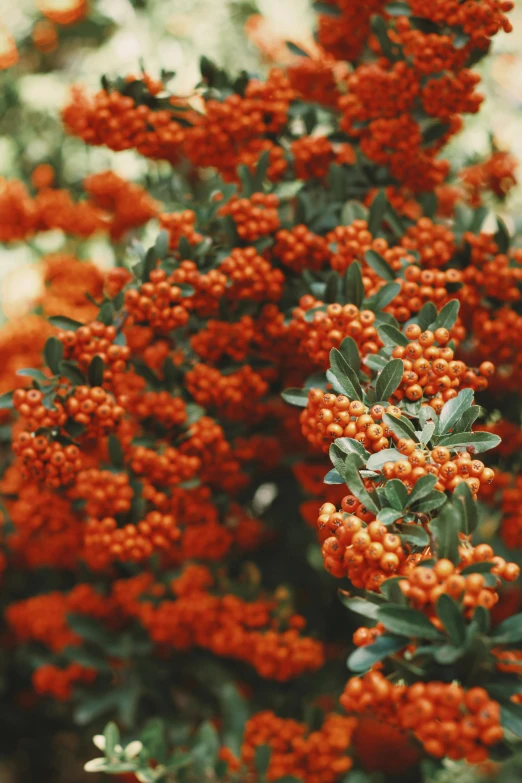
(322, 302)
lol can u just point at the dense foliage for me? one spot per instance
(294, 384)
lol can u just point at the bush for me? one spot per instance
(319, 346)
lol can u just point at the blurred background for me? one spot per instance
(117, 37)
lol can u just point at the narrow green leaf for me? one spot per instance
(353, 287)
(426, 315)
(112, 738)
(298, 397)
(469, 513)
(445, 528)
(452, 619)
(396, 494)
(346, 376)
(356, 485)
(53, 354)
(422, 488)
(383, 297)
(95, 371)
(447, 316)
(161, 246)
(511, 717)
(454, 409)
(391, 336)
(379, 265)
(350, 352)
(509, 631)
(377, 460)
(364, 658)
(434, 500)
(115, 452)
(62, 322)
(389, 379)
(352, 446)
(388, 515)
(333, 477)
(502, 236)
(376, 214)
(400, 426)
(359, 605)
(6, 401)
(414, 535)
(407, 622)
(71, 371)
(262, 759)
(478, 441)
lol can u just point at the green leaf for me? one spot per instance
(30, 372)
(300, 53)
(353, 287)
(353, 210)
(106, 313)
(389, 379)
(434, 131)
(468, 419)
(297, 397)
(115, 452)
(6, 401)
(451, 618)
(469, 514)
(481, 620)
(262, 759)
(391, 336)
(391, 590)
(379, 265)
(509, 631)
(71, 371)
(502, 236)
(359, 605)
(400, 426)
(352, 446)
(426, 316)
(396, 494)
(365, 657)
(112, 738)
(447, 316)
(427, 432)
(380, 30)
(383, 297)
(94, 706)
(377, 460)
(414, 535)
(62, 322)
(478, 568)
(95, 371)
(421, 489)
(356, 485)
(350, 352)
(388, 516)
(407, 622)
(397, 9)
(333, 477)
(149, 264)
(445, 528)
(376, 213)
(511, 717)
(454, 409)
(234, 713)
(431, 502)
(479, 441)
(161, 245)
(53, 354)
(344, 374)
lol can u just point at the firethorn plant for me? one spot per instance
(321, 302)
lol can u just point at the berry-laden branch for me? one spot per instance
(315, 253)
